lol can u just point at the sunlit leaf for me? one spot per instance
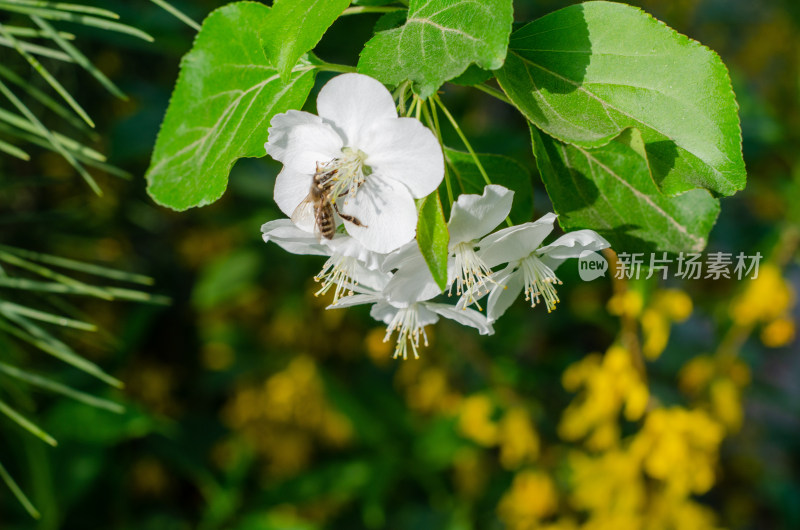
(438, 41)
(226, 95)
(586, 72)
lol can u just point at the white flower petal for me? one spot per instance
(292, 239)
(512, 244)
(383, 311)
(370, 278)
(405, 150)
(387, 212)
(395, 259)
(352, 103)
(291, 188)
(509, 286)
(425, 317)
(474, 216)
(466, 317)
(570, 246)
(356, 299)
(299, 140)
(413, 282)
(345, 245)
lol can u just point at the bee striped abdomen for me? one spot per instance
(325, 220)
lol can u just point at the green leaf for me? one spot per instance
(390, 20)
(294, 27)
(472, 76)
(372, 2)
(610, 190)
(166, 6)
(26, 424)
(584, 73)
(18, 493)
(41, 339)
(501, 170)
(226, 95)
(58, 388)
(225, 278)
(439, 40)
(433, 237)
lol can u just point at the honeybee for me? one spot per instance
(321, 205)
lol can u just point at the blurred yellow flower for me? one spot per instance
(378, 350)
(667, 306)
(628, 304)
(697, 374)
(679, 447)
(519, 442)
(668, 511)
(609, 484)
(778, 333)
(726, 403)
(430, 393)
(531, 498)
(674, 303)
(610, 384)
(720, 382)
(475, 420)
(765, 298)
(286, 416)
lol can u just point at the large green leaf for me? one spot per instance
(610, 189)
(433, 237)
(295, 26)
(586, 72)
(501, 170)
(439, 40)
(227, 93)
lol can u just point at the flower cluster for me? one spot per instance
(349, 183)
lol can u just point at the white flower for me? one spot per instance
(472, 217)
(348, 264)
(375, 163)
(409, 319)
(531, 268)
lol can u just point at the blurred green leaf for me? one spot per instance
(97, 426)
(58, 388)
(26, 424)
(18, 493)
(225, 278)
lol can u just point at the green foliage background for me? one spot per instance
(243, 311)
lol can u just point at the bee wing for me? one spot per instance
(307, 216)
(304, 213)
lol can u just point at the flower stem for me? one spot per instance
(400, 95)
(493, 92)
(468, 146)
(433, 121)
(412, 107)
(358, 10)
(331, 67)
(464, 140)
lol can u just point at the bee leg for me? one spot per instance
(349, 218)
